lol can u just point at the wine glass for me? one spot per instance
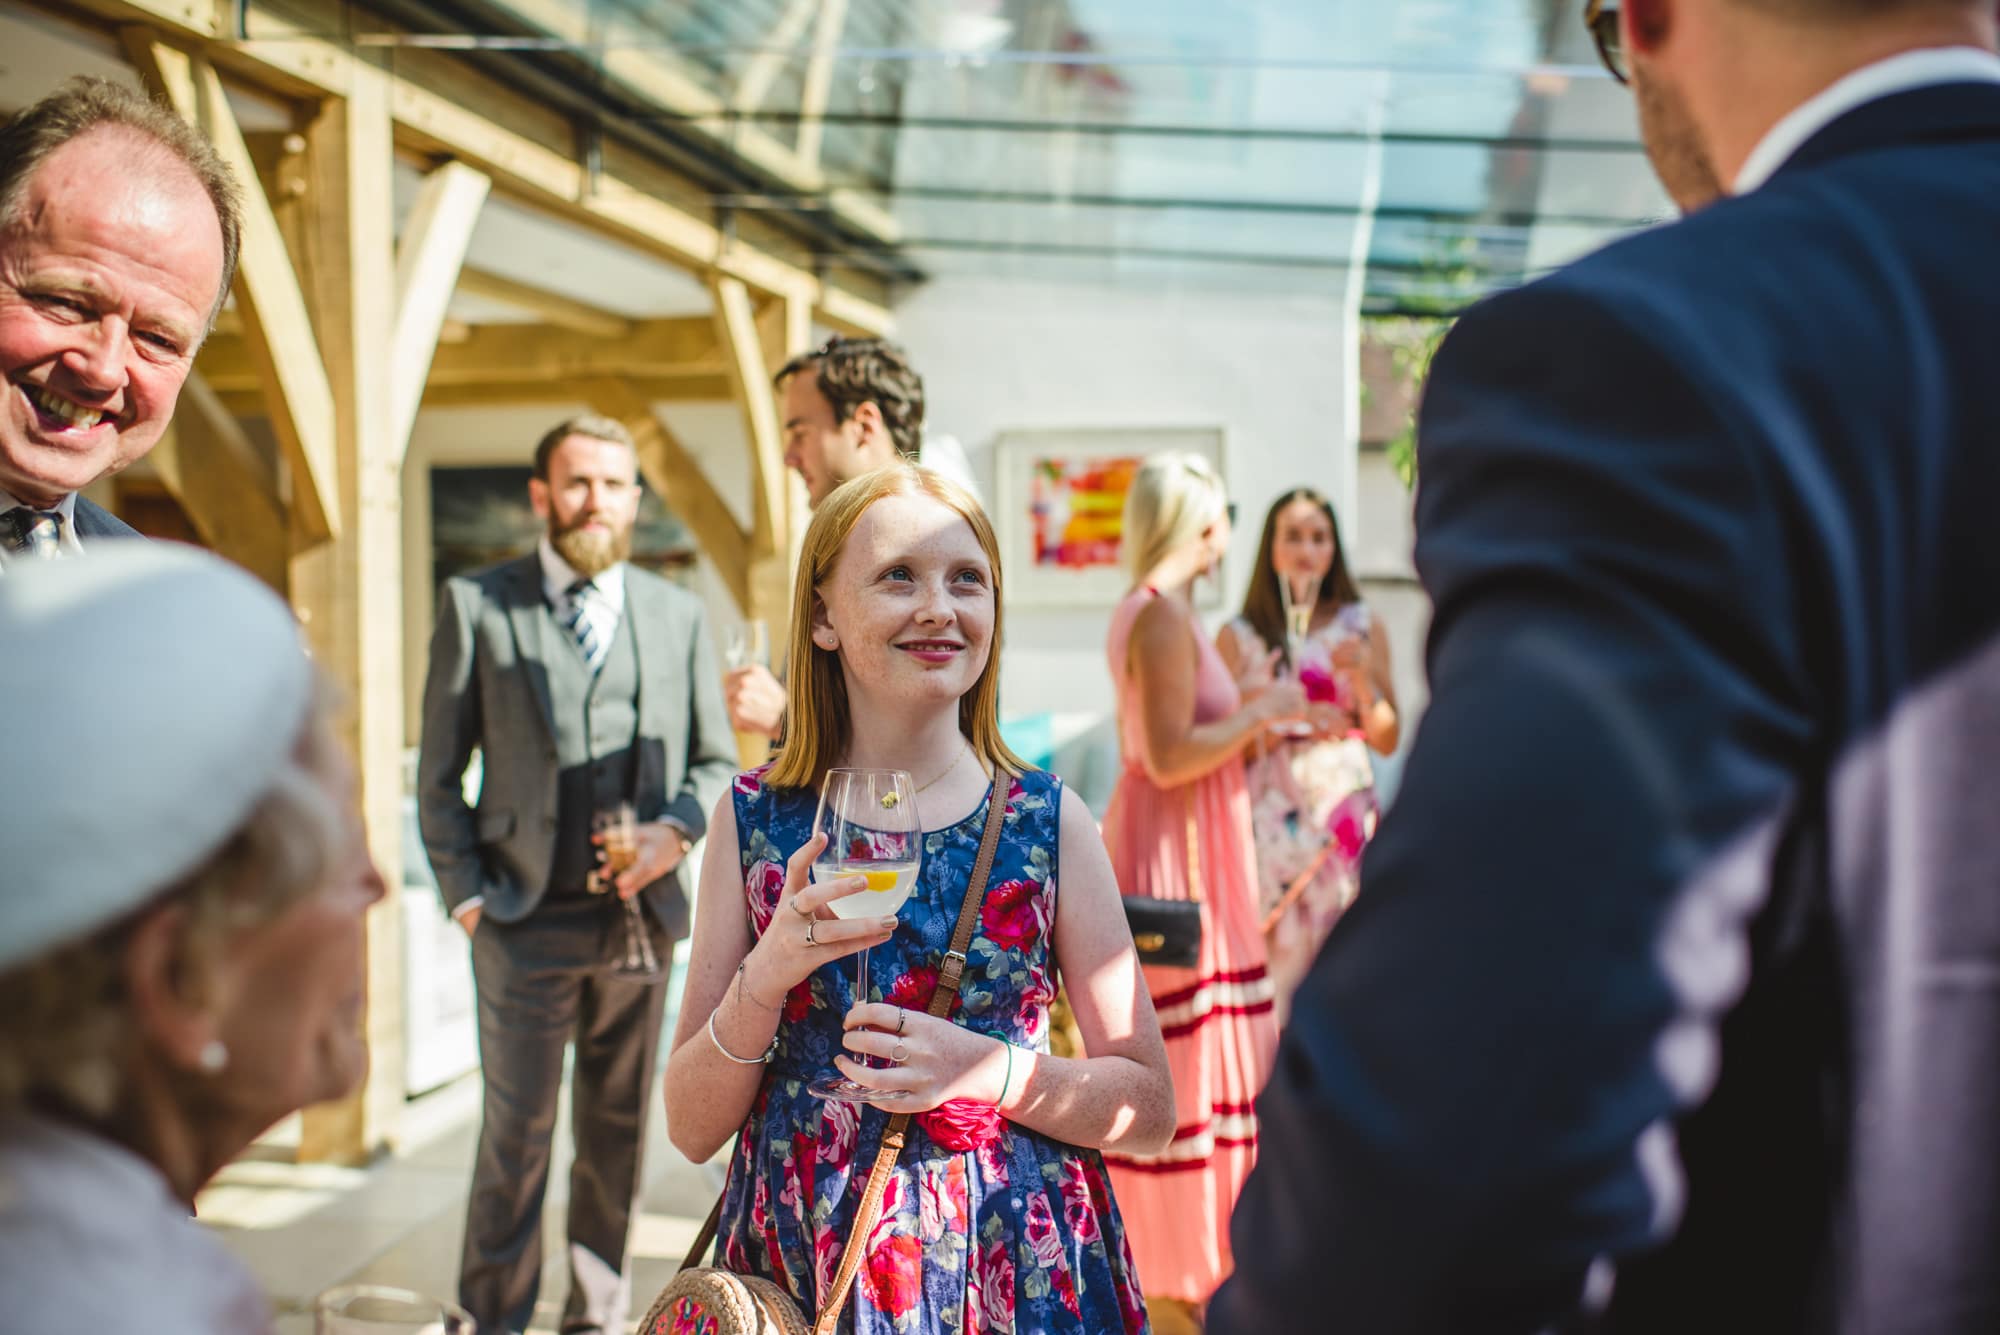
(747, 643)
(869, 818)
(618, 845)
(373, 1309)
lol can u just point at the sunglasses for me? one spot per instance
(1601, 17)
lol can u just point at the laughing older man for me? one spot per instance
(118, 239)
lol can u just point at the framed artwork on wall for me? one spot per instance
(1059, 505)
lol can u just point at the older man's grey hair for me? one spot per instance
(84, 105)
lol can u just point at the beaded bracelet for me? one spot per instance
(716, 1039)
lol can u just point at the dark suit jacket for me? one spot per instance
(488, 687)
(94, 521)
(1678, 957)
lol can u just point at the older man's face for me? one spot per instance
(108, 274)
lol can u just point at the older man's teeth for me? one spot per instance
(69, 414)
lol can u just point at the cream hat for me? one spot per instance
(150, 692)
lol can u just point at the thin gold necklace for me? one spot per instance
(889, 798)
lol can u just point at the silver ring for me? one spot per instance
(898, 1055)
(803, 913)
(901, 1015)
(809, 932)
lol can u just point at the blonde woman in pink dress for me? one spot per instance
(1181, 804)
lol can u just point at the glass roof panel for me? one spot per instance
(1200, 136)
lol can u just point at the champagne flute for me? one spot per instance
(1299, 593)
(869, 818)
(618, 843)
(747, 643)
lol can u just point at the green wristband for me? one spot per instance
(1007, 1080)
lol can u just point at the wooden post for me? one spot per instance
(228, 493)
(348, 591)
(427, 263)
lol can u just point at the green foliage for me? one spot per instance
(1412, 342)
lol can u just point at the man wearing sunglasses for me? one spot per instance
(1671, 1001)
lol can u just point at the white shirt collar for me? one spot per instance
(66, 507)
(1897, 74)
(558, 575)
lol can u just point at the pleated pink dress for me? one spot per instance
(1217, 1017)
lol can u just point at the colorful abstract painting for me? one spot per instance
(1061, 506)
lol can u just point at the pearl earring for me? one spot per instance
(826, 640)
(213, 1059)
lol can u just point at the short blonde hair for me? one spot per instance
(69, 1035)
(1175, 497)
(819, 727)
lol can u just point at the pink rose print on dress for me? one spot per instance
(1043, 1239)
(913, 990)
(1013, 916)
(990, 1290)
(894, 1275)
(941, 1200)
(837, 1130)
(962, 1124)
(1079, 1210)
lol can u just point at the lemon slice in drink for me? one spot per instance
(880, 880)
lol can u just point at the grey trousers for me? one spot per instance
(543, 983)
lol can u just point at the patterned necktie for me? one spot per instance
(582, 626)
(36, 533)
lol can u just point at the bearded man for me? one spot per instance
(586, 685)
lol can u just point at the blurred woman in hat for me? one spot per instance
(183, 880)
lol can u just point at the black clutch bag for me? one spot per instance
(1165, 931)
(1168, 931)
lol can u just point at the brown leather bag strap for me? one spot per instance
(949, 974)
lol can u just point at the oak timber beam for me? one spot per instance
(670, 470)
(743, 351)
(278, 330)
(428, 258)
(348, 592)
(552, 308)
(499, 355)
(212, 470)
(532, 393)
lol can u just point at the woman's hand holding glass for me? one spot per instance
(804, 932)
(1282, 702)
(926, 1061)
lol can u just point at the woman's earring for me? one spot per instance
(826, 640)
(213, 1059)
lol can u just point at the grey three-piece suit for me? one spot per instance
(559, 743)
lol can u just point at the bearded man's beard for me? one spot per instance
(590, 552)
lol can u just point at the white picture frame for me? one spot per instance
(1056, 556)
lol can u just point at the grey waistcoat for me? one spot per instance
(596, 723)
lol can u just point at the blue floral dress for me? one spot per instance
(985, 1226)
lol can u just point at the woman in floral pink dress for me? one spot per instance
(999, 1215)
(1178, 827)
(1312, 796)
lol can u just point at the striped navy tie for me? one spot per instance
(577, 620)
(32, 532)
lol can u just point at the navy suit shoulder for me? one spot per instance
(94, 521)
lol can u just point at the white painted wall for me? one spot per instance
(998, 355)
